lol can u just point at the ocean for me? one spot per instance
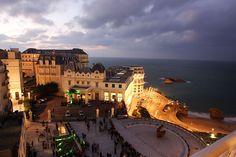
(211, 83)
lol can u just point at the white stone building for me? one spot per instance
(71, 71)
(14, 67)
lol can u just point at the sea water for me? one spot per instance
(210, 83)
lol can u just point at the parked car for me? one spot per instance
(81, 113)
(43, 100)
(125, 116)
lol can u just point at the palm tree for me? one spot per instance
(71, 92)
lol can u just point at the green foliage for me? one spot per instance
(47, 89)
(70, 93)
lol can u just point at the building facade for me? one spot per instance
(69, 68)
(89, 81)
(14, 67)
(29, 59)
(4, 91)
(123, 83)
(48, 69)
(31, 56)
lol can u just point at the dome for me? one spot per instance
(98, 67)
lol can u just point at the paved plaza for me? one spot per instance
(141, 133)
(40, 139)
(93, 135)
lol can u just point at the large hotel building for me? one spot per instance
(70, 70)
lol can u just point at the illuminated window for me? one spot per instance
(119, 97)
(106, 96)
(113, 96)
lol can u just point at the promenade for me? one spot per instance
(40, 139)
(141, 133)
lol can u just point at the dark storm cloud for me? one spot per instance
(33, 9)
(203, 29)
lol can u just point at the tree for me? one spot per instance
(52, 87)
(71, 92)
(47, 89)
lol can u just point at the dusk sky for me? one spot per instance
(182, 29)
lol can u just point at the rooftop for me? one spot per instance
(55, 51)
(118, 74)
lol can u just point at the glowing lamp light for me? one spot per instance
(213, 136)
(77, 91)
(62, 130)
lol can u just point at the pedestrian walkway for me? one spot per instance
(100, 138)
(39, 138)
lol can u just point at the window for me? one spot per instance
(77, 82)
(119, 97)
(17, 95)
(113, 96)
(88, 82)
(96, 84)
(120, 85)
(106, 85)
(113, 85)
(106, 96)
(69, 82)
(82, 82)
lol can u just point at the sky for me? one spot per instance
(173, 29)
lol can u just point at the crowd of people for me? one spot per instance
(127, 150)
(121, 147)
